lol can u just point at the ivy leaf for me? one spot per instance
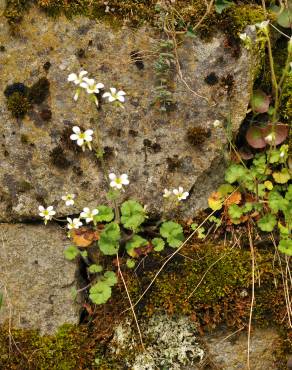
(260, 102)
(221, 5)
(158, 244)
(133, 215)
(109, 239)
(104, 214)
(282, 177)
(277, 202)
(267, 223)
(71, 252)
(173, 233)
(100, 292)
(110, 278)
(93, 269)
(285, 246)
(130, 263)
(234, 173)
(136, 242)
(234, 211)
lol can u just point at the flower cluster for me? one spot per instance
(46, 213)
(68, 199)
(93, 88)
(179, 193)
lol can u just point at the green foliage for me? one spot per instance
(109, 239)
(267, 222)
(130, 263)
(173, 233)
(93, 269)
(158, 244)
(101, 291)
(136, 242)
(104, 214)
(285, 246)
(133, 215)
(71, 252)
(221, 5)
(235, 173)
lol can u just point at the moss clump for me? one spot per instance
(18, 104)
(39, 91)
(197, 135)
(244, 15)
(69, 349)
(59, 159)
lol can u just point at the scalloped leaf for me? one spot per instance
(133, 215)
(285, 246)
(255, 137)
(109, 239)
(260, 102)
(281, 132)
(136, 242)
(284, 19)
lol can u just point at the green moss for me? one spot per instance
(69, 349)
(242, 16)
(18, 104)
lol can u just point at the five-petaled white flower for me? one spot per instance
(69, 199)
(77, 80)
(166, 193)
(118, 181)
(88, 214)
(217, 123)
(91, 86)
(114, 95)
(46, 213)
(82, 138)
(180, 193)
(73, 224)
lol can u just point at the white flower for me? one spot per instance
(180, 193)
(82, 138)
(77, 80)
(46, 213)
(243, 36)
(114, 95)
(118, 182)
(263, 25)
(91, 86)
(88, 214)
(217, 123)
(69, 199)
(166, 193)
(73, 224)
(282, 154)
(270, 137)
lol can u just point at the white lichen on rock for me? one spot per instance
(170, 343)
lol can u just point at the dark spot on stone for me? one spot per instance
(108, 152)
(145, 173)
(66, 142)
(47, 66)
(80, 53)
(82, 30)
(211, 79)
(39, 91)
(136, 56)
(46, 114)
(32, 145)
(197, 135)
(6, 153)
(99, 46)
(173, 163)
(133, 133)
(16, 87)
(77, 170)
(90, 43)
(147, 143)
(23, 186)
(228, 83)
(85, 184)
(40, 199)
(13, 132)
(156, 147)
(104, 68)
(36, 262)
(24, 139)
(58, 158)
(115, 132)
(2, 48)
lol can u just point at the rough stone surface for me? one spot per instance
(35, 278)
(229, 352)
(150, 146)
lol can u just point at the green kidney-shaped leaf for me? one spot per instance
(267, 222)
(105, 214)
(260, 102)
(282, 177)
(133, 215)
(255, 137)
(277, 202)
(71, 252)
(234, 173)
(109, 239)
(158, 244)
(93, 269)
(285, 246)
(110, 278)
(100, 292)
(284, 19)
(173, 233)
(234, 211)
(136, 242)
